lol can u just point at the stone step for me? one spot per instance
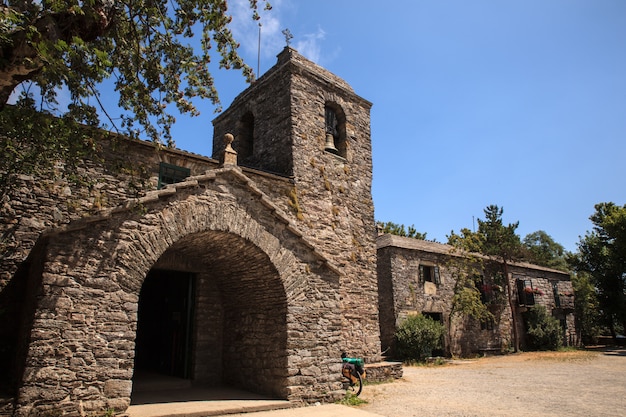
(383, 371)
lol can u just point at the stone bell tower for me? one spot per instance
(301, 121)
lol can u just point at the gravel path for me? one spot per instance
(581, 383)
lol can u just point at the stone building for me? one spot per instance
(254, 268)
(419, 277)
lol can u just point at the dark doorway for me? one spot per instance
(438, 317)
(165, 321)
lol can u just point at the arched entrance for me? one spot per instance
(212, 310)
(264, 312)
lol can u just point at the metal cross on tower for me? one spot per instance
(288, 36)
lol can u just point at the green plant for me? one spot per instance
(294, 204)
(351, 399)
(543, 331)
(417, 336)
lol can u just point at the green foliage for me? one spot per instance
(467, 273)
(351, 400)
(493, 238)
(467, 301)
(542, 250)
(36, 144)
(466, 240)
(499, 243)
(399, 230)
(499, 240)
(417, 336)
(543, 331)
(602, 254)
(587, 308)
(157, 53)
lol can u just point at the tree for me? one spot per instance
(542, 250)
(586, 307)
(32, 144)
(466, 240)
(602, 254)
(504, 244)
(399, 230)
(498, 242)
(157, 53)
(143, 45)
(466, 270)
(544, 331)
(418, 336)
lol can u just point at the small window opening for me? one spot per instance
(438, 317)
(335, 132)
(525, 292)
(486, 290)
(170, 174)
(429, 273)
(487, 324)
(244, 142)
(555, 292)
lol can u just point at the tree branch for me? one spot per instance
(20, 59)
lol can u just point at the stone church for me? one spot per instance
(253, 268)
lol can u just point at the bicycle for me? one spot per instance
(353, 369)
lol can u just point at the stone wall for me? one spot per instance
(281, 303)
(335, 198)
(403, 292)
(124, 170)
(331, 199)
(283, 265)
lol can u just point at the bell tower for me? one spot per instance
(300, 121)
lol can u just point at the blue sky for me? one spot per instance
(519, 103)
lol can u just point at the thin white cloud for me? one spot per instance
(310, 46)
(246, 30)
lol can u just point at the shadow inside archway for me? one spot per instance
(164, 395)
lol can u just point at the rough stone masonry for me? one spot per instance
(256, 273)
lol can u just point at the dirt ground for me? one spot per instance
(577, 383)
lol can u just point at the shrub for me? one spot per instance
(543, 331)
(417, 336)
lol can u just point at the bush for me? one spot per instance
(543, 331)
(417, 336)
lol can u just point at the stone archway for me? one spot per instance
(227, 302)
(282, 294)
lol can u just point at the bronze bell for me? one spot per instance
(330, 144)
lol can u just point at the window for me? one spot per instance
(438, 317)
(487, 324)
(335, 129)
(170, 174)
(486, 290)
(489, 290)
(429, 273)
(525, 292)
(555, 291)
(244, 142)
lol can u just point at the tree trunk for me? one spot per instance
(512, 306)
(612, 329)
(19, 58)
